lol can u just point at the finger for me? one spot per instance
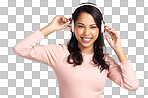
(62, 27)
(113, 36)
(114, 33)
(70, 25)
(108, 40)
(65, 20)
(111, 31)
(65, 26)
(69, 18)
(106, 29)
(109, 27)
(61, 18)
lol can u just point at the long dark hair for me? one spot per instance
(75, 52)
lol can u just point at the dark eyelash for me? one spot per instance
(82, 26)
(93, 27)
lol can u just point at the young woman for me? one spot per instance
(81, 67)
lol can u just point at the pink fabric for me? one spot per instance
(84, 81)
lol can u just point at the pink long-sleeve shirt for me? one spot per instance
(84, 81)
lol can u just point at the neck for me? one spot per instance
(86, 50)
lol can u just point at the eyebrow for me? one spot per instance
(83, 24)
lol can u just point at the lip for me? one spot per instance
(87, 37)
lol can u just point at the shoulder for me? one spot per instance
(106, 55)
(109, 59)
(62, 46)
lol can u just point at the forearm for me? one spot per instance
(121, 54)
(28, 43)
(47, 30)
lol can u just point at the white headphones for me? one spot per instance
(102, 23)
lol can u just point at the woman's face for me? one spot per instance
(85, 27)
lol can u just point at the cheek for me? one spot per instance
(77, 35)
(95, 36)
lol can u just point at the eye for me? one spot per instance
(80, 26)
(93, 27)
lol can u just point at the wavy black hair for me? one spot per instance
(74, 50)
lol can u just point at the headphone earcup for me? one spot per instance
(72, 25)
(102, 26)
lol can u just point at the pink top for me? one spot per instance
(84, 81)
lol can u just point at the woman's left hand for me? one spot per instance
(115, 43)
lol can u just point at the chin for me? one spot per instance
(86, 45)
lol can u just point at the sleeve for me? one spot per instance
(46, 54)
(122, 74)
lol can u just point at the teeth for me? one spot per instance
(86, 39)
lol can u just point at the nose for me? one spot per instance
(86, 31)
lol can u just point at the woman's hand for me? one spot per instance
(58, 23)
(115, 43)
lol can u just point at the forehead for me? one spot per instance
(85, 18)
(81, 23)
(85, 15)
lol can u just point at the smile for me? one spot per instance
(86, 40)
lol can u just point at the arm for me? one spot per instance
(121, 54)
(123, 74)
(46, 54)
(47, 30)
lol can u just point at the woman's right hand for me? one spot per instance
(58, 23)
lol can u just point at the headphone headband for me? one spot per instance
(86, 4)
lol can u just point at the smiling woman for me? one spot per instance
(81, 78)
(87, 37)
